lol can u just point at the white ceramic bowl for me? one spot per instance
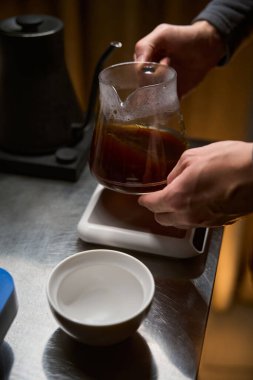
(100, 297)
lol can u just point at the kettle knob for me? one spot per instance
(29, 23)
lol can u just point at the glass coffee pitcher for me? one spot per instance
(139, 134)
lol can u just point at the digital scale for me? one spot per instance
(117, 220)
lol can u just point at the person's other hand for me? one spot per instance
(209, 186)
(192, 50)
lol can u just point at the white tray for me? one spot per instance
(115, 219)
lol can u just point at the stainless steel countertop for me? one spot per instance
(38, 221)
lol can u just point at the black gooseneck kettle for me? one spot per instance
(39, 111)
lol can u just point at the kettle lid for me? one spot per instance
(32, 25)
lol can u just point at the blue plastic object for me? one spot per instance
(8, 302)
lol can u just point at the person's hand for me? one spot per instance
(192, 50)
(209, 186)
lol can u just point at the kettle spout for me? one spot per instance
(94, 86)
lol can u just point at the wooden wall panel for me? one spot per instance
(218, 109)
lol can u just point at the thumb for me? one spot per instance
(143, 51)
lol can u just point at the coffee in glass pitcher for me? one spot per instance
(139, 134)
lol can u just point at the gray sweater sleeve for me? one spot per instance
(232, 18)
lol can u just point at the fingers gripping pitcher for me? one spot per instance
(139, 132)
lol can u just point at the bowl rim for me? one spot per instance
(139, 311)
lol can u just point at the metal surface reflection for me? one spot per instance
(38, 229)
(65, 358)
(6, 360)
(175, 314)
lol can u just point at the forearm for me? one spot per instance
(233, 19)
(210, 46)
